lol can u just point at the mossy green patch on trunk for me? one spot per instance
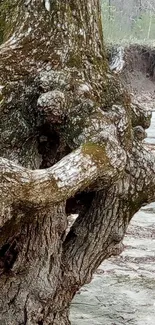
(8, 12)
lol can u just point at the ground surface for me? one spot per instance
(123, 289)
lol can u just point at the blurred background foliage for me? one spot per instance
(128, 20)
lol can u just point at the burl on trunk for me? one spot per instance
(69, 143)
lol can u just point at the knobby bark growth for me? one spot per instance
(71, 141)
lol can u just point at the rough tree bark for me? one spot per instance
(71, 141)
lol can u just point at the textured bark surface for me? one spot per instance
(70, 141)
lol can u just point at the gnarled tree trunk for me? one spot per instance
(71, 141)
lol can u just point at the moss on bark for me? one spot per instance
(8, 15)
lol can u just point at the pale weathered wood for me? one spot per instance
(74, 172)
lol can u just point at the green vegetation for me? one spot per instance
(120, 27)
(7, 15)
(144, 27)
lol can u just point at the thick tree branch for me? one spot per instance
(98, 232)
(74, 172)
